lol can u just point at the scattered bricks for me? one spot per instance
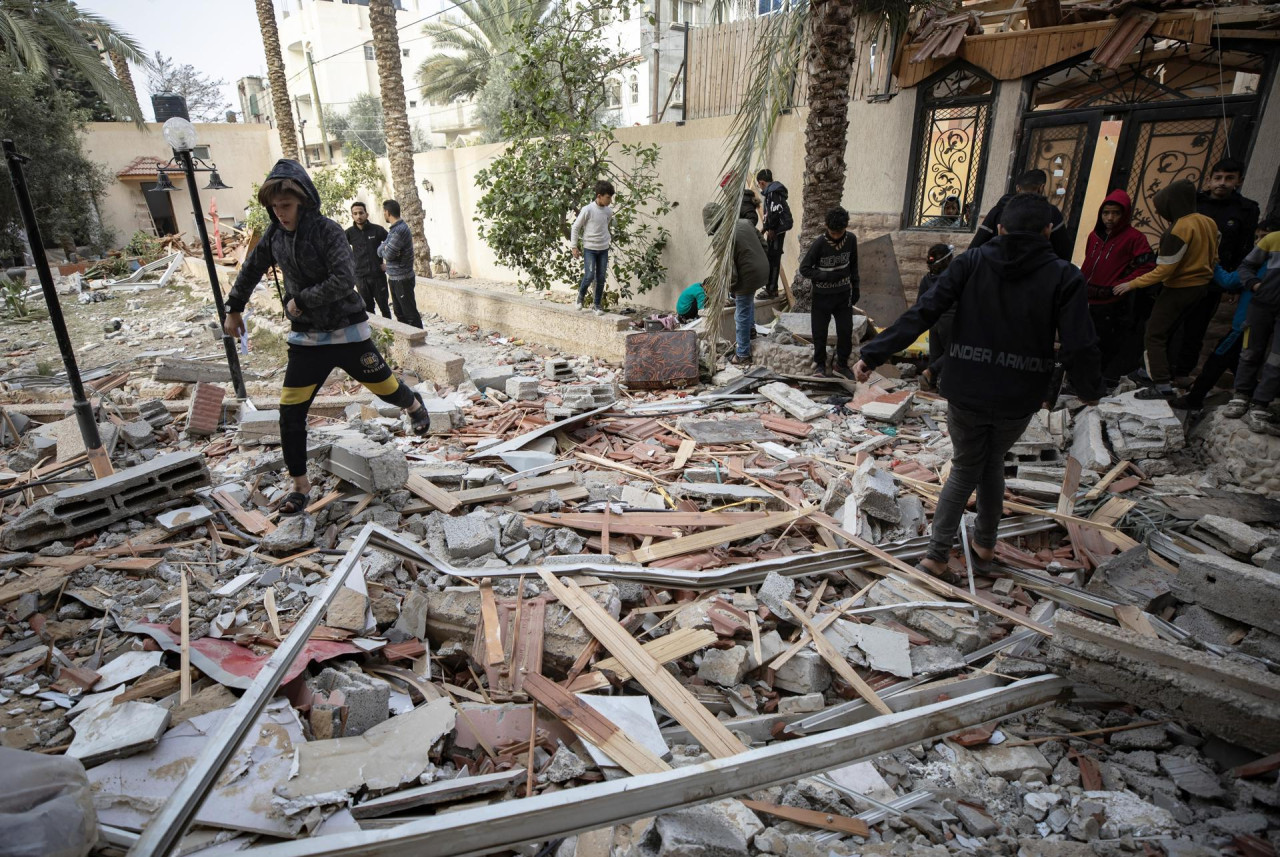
(348, 610)
(1232, 537)
(179, 370)
(1241, 592)
(555, 369)
(372, 466)
(889, 409)
(806, 672)
(138, 434)
(725, 667)
(775, 590)
(806, 704)
(792, 401)
(347, 695)
(259, 425)
(205, 412)
(468, 537)
(1087, 445)
(93, 505)
(523, 388)
(953, 627)
(1003, 586)
(154, 412)
(294, 533)
(1132, 578)
(603, 394)
(1009, 763)
(435, 364)
(874, 493)
(978, 823)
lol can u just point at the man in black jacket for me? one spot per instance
(329, 327)
(1012, 297)
(1032, 181)
(1237, 218)
(777, 221)
(831, 264)
(364, 238)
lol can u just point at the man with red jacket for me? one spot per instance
(1116, 252)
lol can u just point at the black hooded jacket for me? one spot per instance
(777, 214)
(1058, 236)
(1012, 297)
(315, 261)
(1237, 219)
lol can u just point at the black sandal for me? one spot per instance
(295, 502)
(420, 419)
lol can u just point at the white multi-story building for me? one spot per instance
(631, 90)
(331, 40)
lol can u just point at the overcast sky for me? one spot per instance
(219, 37)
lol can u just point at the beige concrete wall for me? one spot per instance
(1264, 160)
(244, 154)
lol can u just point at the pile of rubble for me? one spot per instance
(575, 620)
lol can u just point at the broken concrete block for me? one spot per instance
(805, 704)
(181, 370)
(1087, 445)
(1207, 626)
(205, 411)
(707, 830)
(292, 534)
(931, 660)
(556, 369)
(806, 672)
(444, 415)
(257, 425)
(1009, 763)
(875, 493)
(67, 439)
(469, 537)
(792, 401)
(109, 731)
(1141, 428)
(347, 611)
(885, 649)
(725, 667)
(891, 408)
(775, 591)
(347, 702)
(435, 364)
(1232, 537)
(565, 765)
(138, 434)
(93, 505)
(1242, 592)
(155, 412)
(413, 615)
(490, 377)
(1131, 577)
(523, 388)
(373, 467)
(1192, 777)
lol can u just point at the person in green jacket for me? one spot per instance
(691, 300)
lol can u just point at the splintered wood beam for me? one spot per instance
(713, 538)
(714, 737)
(492, 630)
(423, 489)
(665, 649)
(592, 726)
(811, 818)
(837, 662)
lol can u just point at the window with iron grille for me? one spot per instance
(949, 150)
(368, 53)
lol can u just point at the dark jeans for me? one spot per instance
(405, 302)
(1114, 325)
(1258, 375)
(1171, 307)
(1195, 324)
(1221, 360)
(773, 250)
(979, 441)
(373, 287)
(305, 374)
(826, 307)
(595, 264)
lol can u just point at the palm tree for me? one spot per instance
(39, 34)
(276, 80)
(462, 68)
(125, 77)
(386, 50)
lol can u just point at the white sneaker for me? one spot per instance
(597, 310)
(1235, 408)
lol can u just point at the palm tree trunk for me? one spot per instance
(829, 58)
(386, 50)
(276, 79)
(125, 77)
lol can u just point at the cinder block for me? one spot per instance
(255, 425)
(155, 412)
(93, 505)
(369, 465)
(522, 388)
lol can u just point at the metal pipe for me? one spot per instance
(228, 344)
(83, 410)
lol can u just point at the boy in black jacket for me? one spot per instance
(1032, 181)
(330, 328)
(1012, 297)
(832, 265)
(775, 225)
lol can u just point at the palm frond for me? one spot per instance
(778, 52)
(23, 39)
(109, 37)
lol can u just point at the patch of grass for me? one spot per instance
(272, 346)
(46, 368)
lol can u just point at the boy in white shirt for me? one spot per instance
(592, 225)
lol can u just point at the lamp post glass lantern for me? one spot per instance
(180, 134)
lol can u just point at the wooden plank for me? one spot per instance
(498, 493)
(837, 661)
(133, 563)
(713, 538)
(665, 649)
(686, 449)
(594, 727)
(653, 677)
(184, 657)
(610, 464)
(526, 654)
(1112, 475)
(1112, 511)
(1070, 485)
(811, 818)
(424, 489)
(253, 522)
(491, 629)
(1133, 618)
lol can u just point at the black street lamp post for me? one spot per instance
(97, 456)
(181, 136)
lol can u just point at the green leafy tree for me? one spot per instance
(338, 188)
(463, 61)
(361, 125)
(560, 146)
(65, 185)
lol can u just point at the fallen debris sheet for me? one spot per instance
(591, 620)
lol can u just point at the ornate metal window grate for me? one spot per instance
(1059, 150)
(950, 152)
(1167, 151)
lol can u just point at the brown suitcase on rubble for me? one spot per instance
(660, 360)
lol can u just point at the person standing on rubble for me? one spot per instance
(831, 264)
(329, 326)
(777, 221)
(397, 261)
(365, 238)
(1012, 297)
